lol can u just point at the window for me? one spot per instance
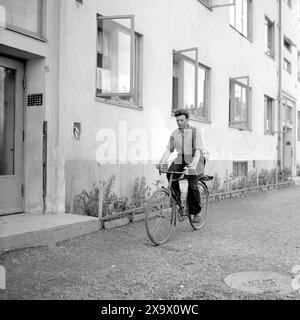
(269, 37)
(288, 2)
(288, 107)
(207, 3)
(269, 115)
(119, 54)
(287, 65)
(24, 16)
(239, 105)
(241, 17)
(240, 168)
(299, 66)
(298, 131)
(184, 84)
(287, 44)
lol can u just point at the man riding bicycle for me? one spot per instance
(187, 141)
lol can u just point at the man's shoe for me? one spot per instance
(197, 217)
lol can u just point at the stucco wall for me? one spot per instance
(165, 26)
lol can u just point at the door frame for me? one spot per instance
(13, 63)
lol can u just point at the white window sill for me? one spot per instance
(26, 33)
(119, 103)
(232, 126)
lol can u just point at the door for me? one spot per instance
(11, 136)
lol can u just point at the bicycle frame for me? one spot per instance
(173, 195)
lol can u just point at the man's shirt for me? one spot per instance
(185, 142)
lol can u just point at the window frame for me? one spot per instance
(41, 23)
(289, 68)
(235, 171)
(271, 24)
(132, 55)
(289, 3)
(289, 43)
(298, 125)
(206, 3)
(288, 105)
(266, 100)
(298, 64)
(249, 35)
(207, 89)
(232, 107)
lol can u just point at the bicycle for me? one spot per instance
(164, 209)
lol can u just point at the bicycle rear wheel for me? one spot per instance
(159, 218)
(199, 223)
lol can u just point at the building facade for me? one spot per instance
(88, 90)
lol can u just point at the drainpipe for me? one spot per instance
(280, 133)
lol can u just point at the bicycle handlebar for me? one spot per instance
(173, 172)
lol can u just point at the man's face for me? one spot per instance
(182, 121)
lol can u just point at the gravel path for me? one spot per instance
(260, 232)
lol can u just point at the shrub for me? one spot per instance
(112, 203)
(215, 185)
(89, 201)
(141, 193)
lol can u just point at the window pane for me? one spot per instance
(240, 116)
(266, 35)
(7, 120)
(245, 18)
(298, 113)
(189, 85)
(184, 95)
(25, 14)
(175, 102)
(239, 15)
(114, 56)
(232, 14)
(269, 114)
(202, 106)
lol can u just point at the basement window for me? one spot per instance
(240, 169)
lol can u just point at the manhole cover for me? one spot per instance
(260, 282)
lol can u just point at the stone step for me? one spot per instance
(30, 230)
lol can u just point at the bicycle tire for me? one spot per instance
(160, 216)
(199, 224)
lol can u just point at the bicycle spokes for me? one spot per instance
(159, 216)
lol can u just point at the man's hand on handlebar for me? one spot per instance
(162, 166)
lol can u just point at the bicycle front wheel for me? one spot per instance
(197, 224)
(160, 216)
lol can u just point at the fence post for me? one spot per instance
(227, 181)
(100, 203)
(276, 176)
